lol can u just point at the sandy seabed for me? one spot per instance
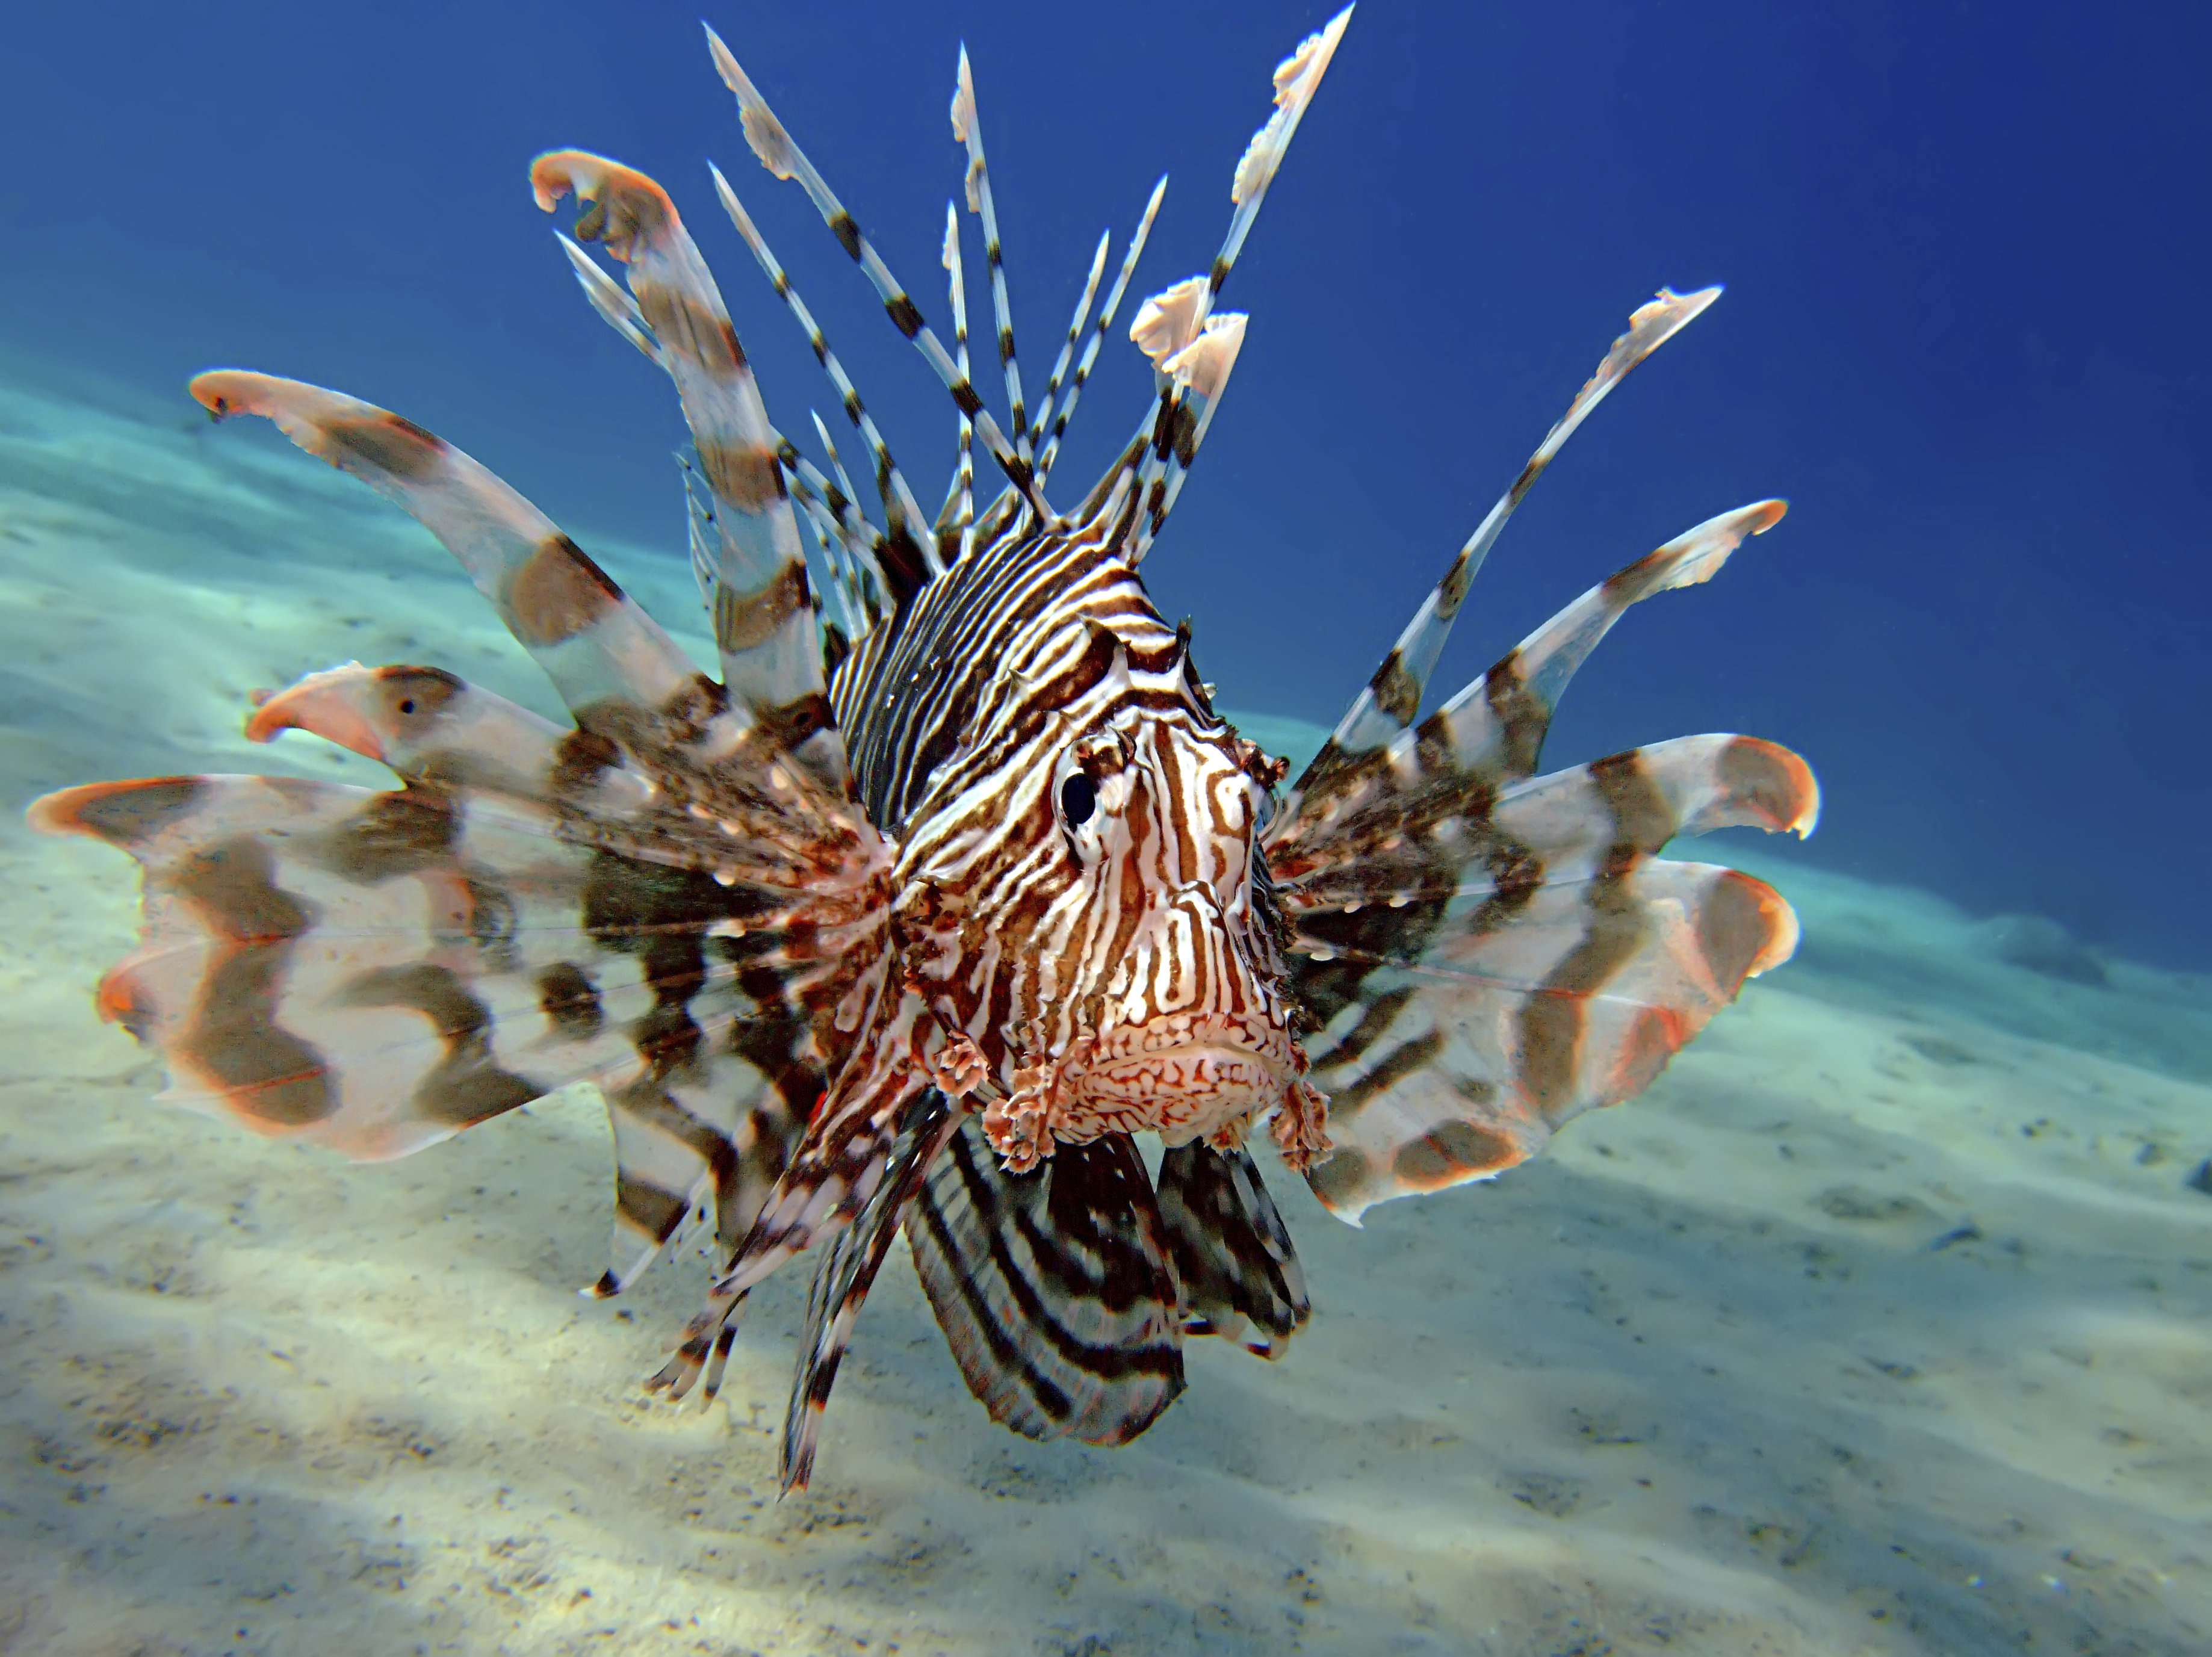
(1878, 1325)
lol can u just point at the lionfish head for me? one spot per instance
(1116, 903)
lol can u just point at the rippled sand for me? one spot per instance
(1879, 1326)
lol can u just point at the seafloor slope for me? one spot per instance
(1879, 1326)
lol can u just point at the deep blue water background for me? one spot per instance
(1966, 247)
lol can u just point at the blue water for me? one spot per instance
(1965, 246)
(1878, 1326)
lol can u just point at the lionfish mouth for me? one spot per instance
(1182, 1075)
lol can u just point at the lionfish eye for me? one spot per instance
(1079, 798)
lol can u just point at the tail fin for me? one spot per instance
(1239, 1273)
(1054, 1288)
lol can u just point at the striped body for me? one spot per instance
(1107, 974)
(952, 883)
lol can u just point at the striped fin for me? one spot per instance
(1082, 314)
(913, 558)
(1596, 817)
(764, 614)
(1232, 1254)
(434, 728)
(1054, 1288)
(842, 581)
(702, 538)
(850, 519)
(968, 128)
(959, 515)
(703, 535)
(782, 156)
(1194, 375)
(850, 615)
(1130, 498)
(845, 494)
(592, 639)
(1489, 954)
(708, 1065)
(1571, 824)
(373, 972)
(836, 1172)
(1498, 723)
(755, 828)
(1391, 700)
(860, 541)
(639, 700)
(617, 308)
(704, 1132)
(1192, 349)
(370, 971)
(1297, 77)
(1523, 1012)
(844, 1275)
(1492, 732)
(1106, 315)
(424, 723)
(697, 1154)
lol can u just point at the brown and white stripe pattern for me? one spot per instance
(1055, 1291)
(903, 515)
(1023, 934)
(694, 819)
(1106, 312)
(1392, 699)
(968, 131)
(763, 608)
(782, 157)
(1487, 952)
(691, 1149)
(914, 919)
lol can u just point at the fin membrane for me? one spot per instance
(1232, 1254)
(1054, 1288)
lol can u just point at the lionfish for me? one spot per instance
(955, 882)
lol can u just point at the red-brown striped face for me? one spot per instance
(1108, 966)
